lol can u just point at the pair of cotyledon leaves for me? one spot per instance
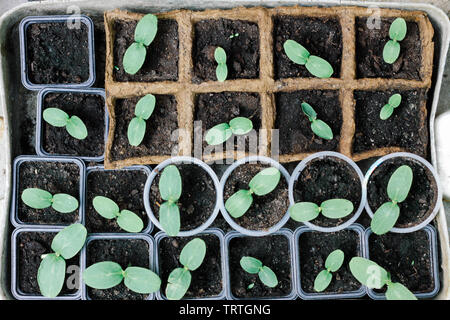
(137, 126)
(255, 266)
(59, 118)
(40, 199)
(397, 32)
(223, 131)
(221, 59)
(170, 186)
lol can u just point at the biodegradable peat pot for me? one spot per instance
(55, 175)
(209, 280)
(424, 198)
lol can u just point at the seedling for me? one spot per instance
(108, 274)
(144, 34)
(191, 258)
(40, 199)
(261, 184)
(234, 35)
(319, 127)
(298, 54)
(170, 189)
(397, 32)
(126, 219)
(52, 270)
(255, 266)
(221, 59)
(332, 264)
(398, 188)
(58, 118)
(223, 131)
(373, 276)
(333, 209)
(388, 109)
(143, 110)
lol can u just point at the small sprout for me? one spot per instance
(58, 118)
(108, 274)
(265, 274)
(319, 127)
(191, 258)
(126, 219)
(388, 109)
(332, 264)
(333, 209)
(143, 110)
(221, 59)
(250, 286)
(398, 188)
(40, 199)
(170, 186)
(234, 35)
(373, 276)
(52, 270)
(298, 54)
(397, 32)
(261, 184)
(223, 131)
(117, 68)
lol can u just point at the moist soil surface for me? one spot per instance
(51, 58)
(90, 108)
(54, 177)
(161, 62)
(242, 50)
(158, 139)
(314, 248)
(125, 187)
(126, 252)
(320, 36)
(369, 51)
(273, 251)
(198, 196)
(30, 247)
(421, 198)
(295, 134)
(265, 211)
(207, 279)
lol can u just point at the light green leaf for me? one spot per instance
(395, 100)
(368, 272)
(170, 184)
(238, 204)
(51, 275)
(251, 265)
(64, 203)
(336, 208)
(130, 221)
(178, 283)
(193, 254)
(265, 181)
(309, 111)
(304, 211)
(400, 183)
(397, 291)
(322, 280)
(141, 280)
(220, 55)
(218, 134)
(103, 275)
(296, 52)
(334, 260)
(319, 67)
(145, 106)
(169, 217)
(241, 125)
(134, 58)
(37, 198)
(268, 277)
(136, 131)
(55, 117)
(385, 218)
(76, 128)
(106, 207)
(221, 72)
(397, 30)
(146, 29)
(386, 112)
(391, 51)
(322, 129)
(69, 241)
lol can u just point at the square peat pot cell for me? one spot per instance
(55, 175)
(322, 37)
(57, 51)
(27, 246)
(410, 258)
(239, 39)
(125, 187)
(275, 251)
(128, 250)
(208, 281)
(312, 249)
(86, 104)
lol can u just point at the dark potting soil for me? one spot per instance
(242, 50)
(30, 247)
(369, 51)
(100, 51)
(51, 58)
(295, 134)
(273, 251)
(90, 108)
(54, 177)
(314, 248)
(320, 36)
(161, 62)
(401, 129)
(126, 252)
(265, 211)
(421, 198)
(159, 138)
(207, 279)
(125, 187)
(198, 196)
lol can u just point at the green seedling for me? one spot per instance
(144, 34)
(373, 276)
(52, 270)
(234, 35)
(108, 274)
(319, 127)
(333, 209)
(388, 109)
(223, 131)
(255, 266)
(126, 219)
(40, 199)
(191, 258)
(221, 59)
(58, 118)
(261, 184)
(143, 110)
(397, 32)
(397, 190)
(332, 264)
(170, 186)
(298, 54)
